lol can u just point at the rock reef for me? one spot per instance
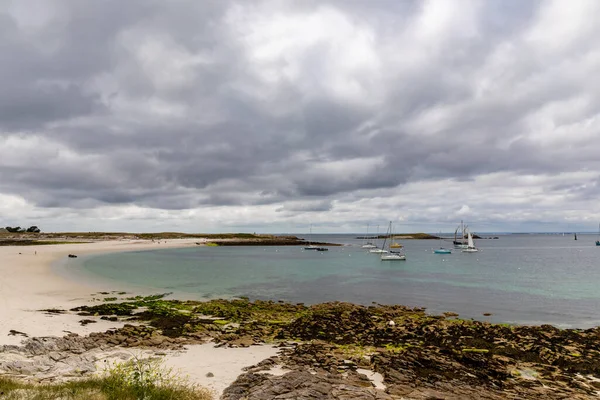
(328, 350)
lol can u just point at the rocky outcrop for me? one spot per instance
(48, 359)
(71, 356)
(317, 371)
(324, 348)
(302, 385)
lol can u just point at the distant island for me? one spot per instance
(419, 236)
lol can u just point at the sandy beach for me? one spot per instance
(28, 284)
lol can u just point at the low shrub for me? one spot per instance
(136, 379)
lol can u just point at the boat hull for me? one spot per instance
(378, 251)
(442, 251)
(393, 257)
(470, 250)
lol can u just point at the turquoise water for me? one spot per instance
(518, 278)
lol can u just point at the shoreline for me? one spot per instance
(276, 347)
(29, 283)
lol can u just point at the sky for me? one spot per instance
(271, 116)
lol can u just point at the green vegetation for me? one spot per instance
(136, 379)
(396, 348)
(18, 229)
(353, 351)
(150, 236)
(475, 351)
(211, 244)
(29, 242)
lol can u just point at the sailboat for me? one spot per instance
(442, 250)
(312, 246)
(575, 236)
(368, 245)
(393, 244)
(471, 245)
(598, 241)
(377, 250)
(391, 255)
(460, 242)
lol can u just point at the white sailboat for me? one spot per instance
(367, 244)
(391, 255)
(312, 246)
(377, 250)
(471, 245)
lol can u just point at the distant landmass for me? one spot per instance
(419, 236)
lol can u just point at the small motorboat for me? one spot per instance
(442, 251)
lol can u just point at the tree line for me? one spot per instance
(18, 229)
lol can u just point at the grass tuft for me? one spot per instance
(137, 379)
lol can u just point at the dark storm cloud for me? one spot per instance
(319, 205)
(182, 104)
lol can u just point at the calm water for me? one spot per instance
(518, 278)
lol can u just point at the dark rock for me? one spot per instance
(299, 385)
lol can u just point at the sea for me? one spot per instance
(517, 278)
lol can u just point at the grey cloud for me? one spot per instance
(173, 105)
(307, 206)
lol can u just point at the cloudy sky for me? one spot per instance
(269, 116)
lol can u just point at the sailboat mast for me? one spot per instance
(388, 233)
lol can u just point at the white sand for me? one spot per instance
(375, 377)
(214, 368)
(28, 284)
(224, 363)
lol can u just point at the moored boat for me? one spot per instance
(460, 242)
(378, 251)
(470, 244)
(312, 246)
(367, 244)
(442, 250)
(391, 255)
